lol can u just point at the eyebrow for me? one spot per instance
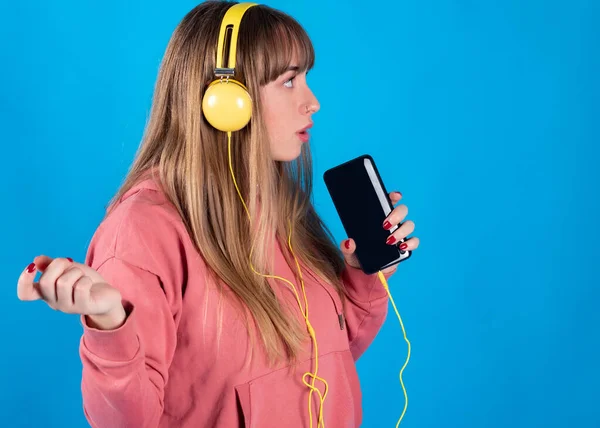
(294, 68)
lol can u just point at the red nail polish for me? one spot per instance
(387, 225)
(347, 243)
(390, 240)
(31, 268)
(404, 246)
(70, 259)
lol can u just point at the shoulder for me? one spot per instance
(145, 230)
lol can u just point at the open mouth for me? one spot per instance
(303, 135)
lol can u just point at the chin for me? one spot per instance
(288, 156)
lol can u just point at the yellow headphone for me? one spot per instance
(227, 106)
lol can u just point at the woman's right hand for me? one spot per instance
(73, 288)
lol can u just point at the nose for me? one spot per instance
(312, 104)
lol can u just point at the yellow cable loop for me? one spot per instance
(314, 376)
(385, 285)
(313, 336)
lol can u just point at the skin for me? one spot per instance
(397, 216)
(288, 105)
(75, 288)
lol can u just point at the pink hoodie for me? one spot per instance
(163, 367)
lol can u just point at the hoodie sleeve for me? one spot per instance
(138, 250)
(125, 370)
(365, 307)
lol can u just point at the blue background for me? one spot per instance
(484, 114)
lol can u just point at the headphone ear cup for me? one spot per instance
(227, 105)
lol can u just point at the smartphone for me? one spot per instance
(362, 204)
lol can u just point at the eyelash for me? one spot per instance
(289, 80)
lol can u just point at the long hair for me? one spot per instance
(189, 160)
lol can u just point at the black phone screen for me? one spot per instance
(362, 203)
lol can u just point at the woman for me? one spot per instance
(196, 312)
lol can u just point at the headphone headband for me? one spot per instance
(230, 26)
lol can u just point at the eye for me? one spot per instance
(289, 83)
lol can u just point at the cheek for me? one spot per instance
(276, 117)
(269, 113)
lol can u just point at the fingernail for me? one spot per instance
(347, 244)
(70, 259)
(31, 268)
(390, 240)
(399, 193)
(387, 225)
(404, 246)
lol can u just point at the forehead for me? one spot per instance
(283, 49)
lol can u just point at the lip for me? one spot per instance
(310, 125)
(303, 134)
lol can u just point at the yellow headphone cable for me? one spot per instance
(311, 331)
(227, 106)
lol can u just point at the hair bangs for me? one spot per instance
(280, 42)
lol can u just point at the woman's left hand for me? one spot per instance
(396, 217)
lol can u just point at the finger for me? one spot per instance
(27, 290)
(395, 217)
(395, 197)
(42, 262)
(411, 244)
(348, 246)
(48, 279)
(87, 270)
(402, 232)
(81, 294)
(64, 288)
(390, 269)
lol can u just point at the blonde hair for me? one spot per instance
(191, 161)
